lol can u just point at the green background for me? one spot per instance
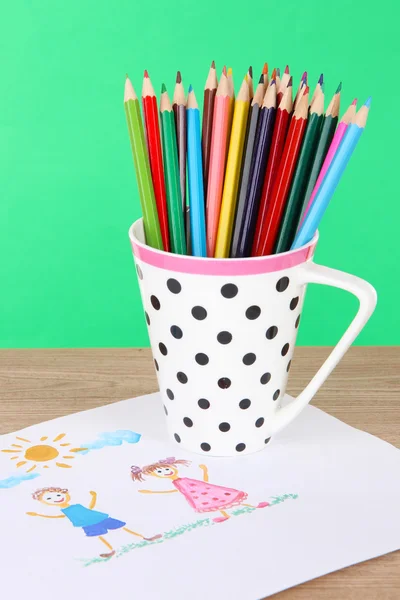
(68, 191)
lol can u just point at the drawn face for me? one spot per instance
(165, 472)
(55, 498)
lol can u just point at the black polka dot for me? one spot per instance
(170, 394)
(243, 404)
(176, 332)
(224, 337)
(203, 403)
(178, 439)
(271, 332)
(155, 302)
(163, 349)
(259, 422)
(267, 440)
(282, 284)
(182, 377)
(276, 394)
(265, 378)
(253, 312)
(294, 302)
(229, 290)
(188, 422)
(165, 410)
(288, 366)
(224, 427)
(249, 358)
(224, 383)
(240, 447)
(206, 447)
(139, 272)
(199, 313)
(201, 359)
(174, 286)
(297, 322)
(285, 349)
(147, 318)
(156, 365)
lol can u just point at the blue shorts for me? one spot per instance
(103, 527)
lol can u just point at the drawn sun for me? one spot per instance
(31, 454)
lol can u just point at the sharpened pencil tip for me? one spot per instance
(178, 77)
(213, 64)
(265, 69)
(287, 69)
(126, 76)
(304, 76)
(224, 70)
(339, 88)
(251, 72)
(290, 82)
(273, 76)
(163, 88)
(354, 103)
(146, 74)
(190, 88)
(278, 71)
(321, 79)
(306, 91)
(272, 82)
(261, 80)
(367, 103)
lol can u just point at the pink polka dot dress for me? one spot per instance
(206, 497)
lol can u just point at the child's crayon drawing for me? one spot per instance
(93, 522)
(201, 495)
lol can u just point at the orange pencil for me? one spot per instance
(219, 144)
(265, 75)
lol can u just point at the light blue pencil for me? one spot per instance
(195, 178)
(332, 178)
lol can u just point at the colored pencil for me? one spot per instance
(278, 141)
(301, 88)
(265, 75)
(262, 147)
(152, 130)
(210, 89)
(195, 178)
(179, 108)
(231, 89)
(283, 84)
(327, 132)
(232, 174)
(294, 203)
(219, 143)
(142, 168)
(318, 88)
(245, 172)
(249, 79)
(172, 182)
(347, 118)
(278, 78)
(332, 177)
(284, 176)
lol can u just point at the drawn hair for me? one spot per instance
(39, 493)
(138, 473)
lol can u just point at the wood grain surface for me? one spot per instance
(363, 391)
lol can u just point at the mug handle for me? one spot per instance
(313, 273)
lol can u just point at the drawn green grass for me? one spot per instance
(169, 535)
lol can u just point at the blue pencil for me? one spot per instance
(195, 178)
(332, 178)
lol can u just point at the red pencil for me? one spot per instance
(284, 176)
(283, 84)
(278, 141)
(155, 154)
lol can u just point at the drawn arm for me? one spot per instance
(205, 472)
(33, 514)
(152, 492)
(93, 500)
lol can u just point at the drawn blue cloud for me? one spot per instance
(13, 481)
(112, 438)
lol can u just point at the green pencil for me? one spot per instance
(327, 132)
(294, 203)
(142, 167)
(172, 181)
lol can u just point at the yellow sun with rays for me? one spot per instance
(30, 454)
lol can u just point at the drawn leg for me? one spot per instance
(155, 537)
(106, 554)
(224, 517)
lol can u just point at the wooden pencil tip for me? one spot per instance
(272, 82)
(273, 76)
(367, 103)
(261, 80)
(224, 70)
(339, 88)
(229, 72)
(290, 82)
(306, 91)
(190, 89)
(178, 77)
(354, 103)
(146, 74)
(265, 69)
(304, 76)
(278, 72)
(213, 64)
(287, 69)
(163, 88)
(251, 71)
(321, 79)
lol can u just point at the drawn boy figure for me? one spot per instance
(93, 522)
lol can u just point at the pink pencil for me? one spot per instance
(218, 150)
(337, 138)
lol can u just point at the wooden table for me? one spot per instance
(364, 391)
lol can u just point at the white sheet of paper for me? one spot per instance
(333, 494)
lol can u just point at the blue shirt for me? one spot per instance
(80, 516)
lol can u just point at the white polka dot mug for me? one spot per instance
(222, 333)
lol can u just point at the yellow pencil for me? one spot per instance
(232, 174)
(232, 98)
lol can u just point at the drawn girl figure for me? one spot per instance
(199, 493)
(94, 523)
